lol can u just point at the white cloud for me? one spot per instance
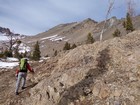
(35, 16)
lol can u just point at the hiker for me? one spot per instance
(22, 73)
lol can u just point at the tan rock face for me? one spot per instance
(103, 73)
(117, 92)
(104, 92)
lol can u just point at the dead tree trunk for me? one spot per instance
(111, 3)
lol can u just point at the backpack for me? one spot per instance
(23, 65)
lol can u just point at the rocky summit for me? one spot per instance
(103, 73)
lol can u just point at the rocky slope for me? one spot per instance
(103, 73)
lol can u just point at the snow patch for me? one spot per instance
(41, 61)
(54, 38)
(23, 48)
(3, 37)
(30, 41)
(42, 46)
(8, 65)
(43, 58)
(12, 59)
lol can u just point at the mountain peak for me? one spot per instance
(89, 20)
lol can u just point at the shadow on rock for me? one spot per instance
(82, 88)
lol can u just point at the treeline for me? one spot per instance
(14, 52)
(127, 24)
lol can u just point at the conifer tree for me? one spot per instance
(36, 52)
(128, 24)
(1, 54)
(117, 33)
(73, 46)
(67, 46)
(90, 39)
(8, 53)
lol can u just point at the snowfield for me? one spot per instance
(23, 48)
(8, 65)
(3, 37)
(54, 38)
(12, 59)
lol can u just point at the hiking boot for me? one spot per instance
(17, 93)
(23, 88)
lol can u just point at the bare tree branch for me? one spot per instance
(131, 7)
(12, 39)
(111, 3)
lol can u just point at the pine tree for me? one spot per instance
(19, 42)
(73, 46)
(90, 39)
(129, 25)
(67, 46)
(8, 53)
(117, 33)
(1, 54)
(36, 52)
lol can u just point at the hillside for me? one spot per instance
(76, 32)
(103, 73)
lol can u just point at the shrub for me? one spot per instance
(73, 46)
(117, 33)
(90, 39)
(66, 46)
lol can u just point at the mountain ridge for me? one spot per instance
(76, 33)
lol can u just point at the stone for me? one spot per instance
(82, 98)
(96, 89)
(87, 91)
(104, 93)
(117, 93)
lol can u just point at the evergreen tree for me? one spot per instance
(67, 46)
(117, 33)
(90, 39)
(19, 42)
(128, 24)
(73, 46)
(8, 53)
(36, 52)
(1, 55)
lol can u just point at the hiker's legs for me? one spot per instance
(18, 82)
(24, 79)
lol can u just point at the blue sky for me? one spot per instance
(31, 17)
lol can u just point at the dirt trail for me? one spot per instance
(8, 82)
(7, 87)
